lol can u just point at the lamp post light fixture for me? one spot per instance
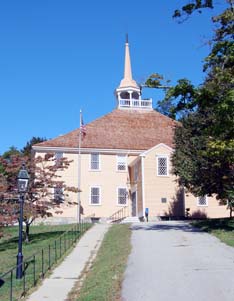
(22, 183)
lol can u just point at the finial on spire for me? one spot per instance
(127, 81)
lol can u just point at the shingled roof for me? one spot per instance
(121, 129)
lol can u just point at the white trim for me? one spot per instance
(100, 195)
(86, 150)
(206, 198)
(157, 146)
(167, 158)
(99, 162)
(117, 192)
(143, 182)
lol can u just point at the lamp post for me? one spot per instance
(22, 183)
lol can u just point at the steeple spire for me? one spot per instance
(126, 37)
(128, 93)
(127, 81)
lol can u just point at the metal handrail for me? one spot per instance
(119, 215)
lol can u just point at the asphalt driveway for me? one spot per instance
(173, 261)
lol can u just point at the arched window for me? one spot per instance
(124, 95)
(135, 95)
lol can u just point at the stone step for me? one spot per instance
(130, 219)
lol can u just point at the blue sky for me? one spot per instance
(60, 56)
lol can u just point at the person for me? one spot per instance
(147, 214)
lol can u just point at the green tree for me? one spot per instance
(26, 151)
(11, 152)
(204, 144)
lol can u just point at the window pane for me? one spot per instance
(95, 195)
(202, 201)
(121, 162)
(58, 157)
(94, 161)
(122, 196)
(162, 166)
(58, 194)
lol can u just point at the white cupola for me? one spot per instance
(129, 93)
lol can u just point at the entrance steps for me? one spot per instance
(130, 219)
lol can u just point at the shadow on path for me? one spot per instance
(167, 226)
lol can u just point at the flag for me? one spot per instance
(82, 127)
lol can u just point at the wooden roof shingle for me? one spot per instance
(121, 129)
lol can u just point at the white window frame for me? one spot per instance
(123, 162)
(118, 195)
(90, 195)
(98, 161)
(206, 199)
(167, 166)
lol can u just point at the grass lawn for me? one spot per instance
(40, 236)
(48, 242)
(222, 228)
(104, 278)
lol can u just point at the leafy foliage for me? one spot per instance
(28, 147)
(204, 145)
(40, 199)
(192, 6)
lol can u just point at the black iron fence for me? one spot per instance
(36, 266)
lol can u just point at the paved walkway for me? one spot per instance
(173, 261)
(59, 284)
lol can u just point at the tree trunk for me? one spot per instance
(26, 239)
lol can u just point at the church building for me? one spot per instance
(125, 162)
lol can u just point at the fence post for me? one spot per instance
(55, 250)
(11, 286)
(49, 258)
(24, 282)
(42, 263)
(34, 270)
(65, 242)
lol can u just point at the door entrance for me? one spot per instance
(134, 203)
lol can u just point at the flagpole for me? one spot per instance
(79, 172)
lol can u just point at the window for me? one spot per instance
(162, 166)
(122, 196)
(95, 195)
(58, 194)
(58, 156)
(163, 200)
(94, 161)
(202, 201)
(121, 162)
